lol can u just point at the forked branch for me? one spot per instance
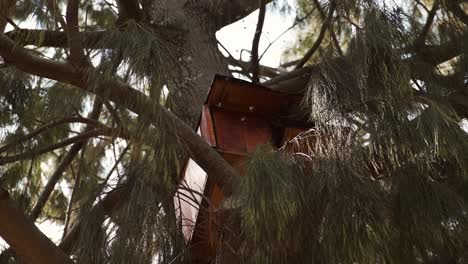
(326, 25)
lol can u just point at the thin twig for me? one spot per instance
(55, 11)
(113, 113)
(351, 22)
(422, 5)
(297, 22)
(47, 127)
(64, 143)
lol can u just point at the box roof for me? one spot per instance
(238, 95)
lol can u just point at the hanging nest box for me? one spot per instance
(237, 117)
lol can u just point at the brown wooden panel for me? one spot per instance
(206, 126)
(205, 237)
(257, 132)
(239, 133)
(229, 131)
(238, 95)
(205, 240)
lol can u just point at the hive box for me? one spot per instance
(237, 117)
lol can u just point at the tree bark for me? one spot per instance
(5, 8)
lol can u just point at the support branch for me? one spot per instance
(55, 39)
(124, 95)
(30, 244)
(323, 16)
(326, 25)
(419, 42)
(256, 41)
(74, 41)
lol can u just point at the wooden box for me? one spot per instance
(237, 117)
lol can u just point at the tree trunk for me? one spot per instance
(197, 52)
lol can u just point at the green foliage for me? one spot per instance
(382, 181)
(270, 180)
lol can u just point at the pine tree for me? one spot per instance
(100, 102)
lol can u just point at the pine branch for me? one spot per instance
(120, 93)
(55, 39)
(54, 178)
(437, 54)
(32, 64)
(113, 113)
(419, 42)
(83, 136)
(112, 201)
(256, 41)
(262, 69)
(326, 25)
(30, 244)
(45, 128)
(64, 163)
(124, 95)
(296, 80)
(332, 32)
